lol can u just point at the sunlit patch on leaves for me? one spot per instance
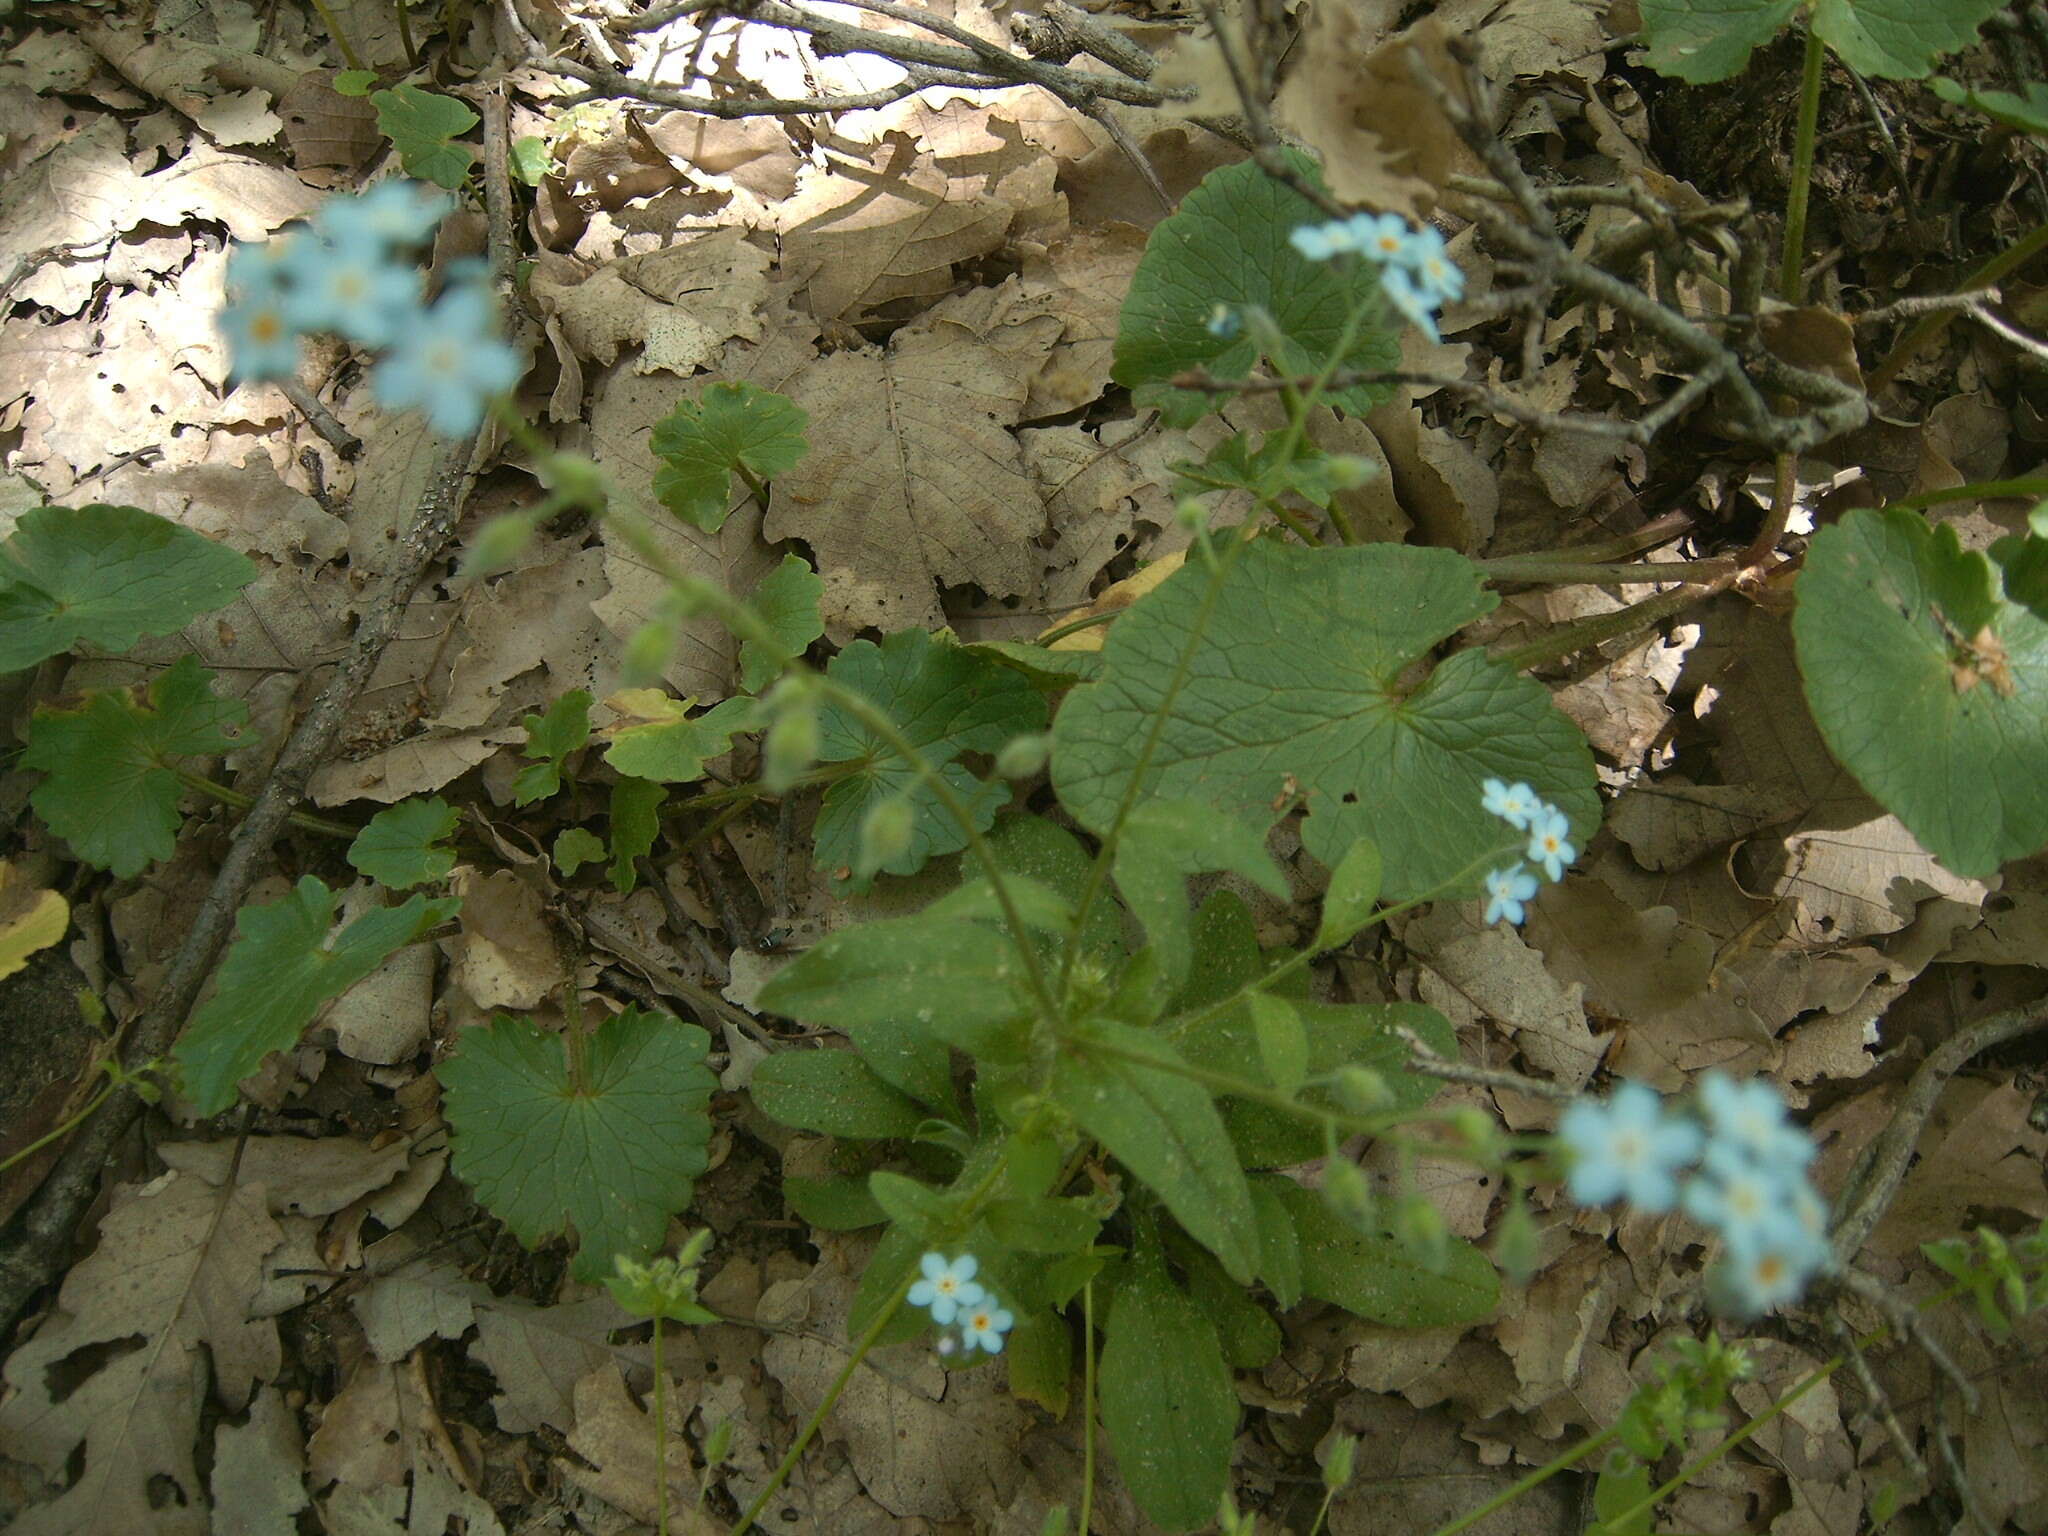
(423, 127)
(1228, 244)
(1304, 669)
(944, 701)
(607, 1148)
(1929, 681)
(113, 785)
(734, 429)
(402, 845)
(280, 971)
(105, 576)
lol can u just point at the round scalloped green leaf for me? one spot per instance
(113, 787)
(611, 1157)
(401, 845)
(1928, 685)
(1708, 40)
(105, 576)
(1304, 669)
(1227, 244)
(1899, 39)
(944, 700)
(423, 127)
(281, 970)
(702, 442)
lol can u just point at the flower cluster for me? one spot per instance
(1509, 891)
(1739, 1168)
(953, 1296)
(349, 271)
(1416, 272)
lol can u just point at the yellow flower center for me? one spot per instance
(266, 326)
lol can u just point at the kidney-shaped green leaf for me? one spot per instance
(1303, 670)
(105, 576)
(1928, 684)
(612, 1151)
(1228, 244)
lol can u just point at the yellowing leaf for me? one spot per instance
(30, 919)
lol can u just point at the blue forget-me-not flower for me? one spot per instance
(947, 1286)
(350, 272)
(1626, 1149)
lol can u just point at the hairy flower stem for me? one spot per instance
(241, 802)
(805, 1435)
(1562, 1463)
(660, 1422)
(1602, 627)
(1087, 1405)
(1793, 259)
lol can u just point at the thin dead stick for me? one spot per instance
(1427, 1062)
(49, 1224)
(1882, 1167)
(320, 419)
(1910, 1323)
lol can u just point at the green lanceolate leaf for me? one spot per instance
(833, 1092)
(954, 982)
(423, 127)
(1120, 1086)
(1227, 243)
(1354, 891)
(944, 701)
(550, 738)
(703, 443)
(657, 738)
(1708, 40)
(610, 1152)
(840, 1204)
(636, 823)
(280, 971)
(105, 576)
(1302, 672)
(1167, 1400)
(112, 791)
(402, 845)
(786, 600)
(1928, 684)
(1166, 841)
(1380, 1279)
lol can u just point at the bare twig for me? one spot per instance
(1907, 1319)
(320, 419)
(49, 1224)
(1882, 1167)
(1879, 1399)
(1423, 1059)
